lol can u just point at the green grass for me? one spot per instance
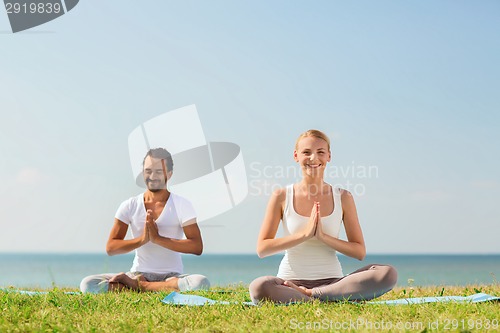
(136, 312)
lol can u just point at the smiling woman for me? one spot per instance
(312, 212)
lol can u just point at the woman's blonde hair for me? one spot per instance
(314, 133)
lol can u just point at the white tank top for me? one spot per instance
(312, 259)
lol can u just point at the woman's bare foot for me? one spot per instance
(304, 290)
(126, 281)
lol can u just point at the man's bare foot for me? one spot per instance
(172, 283)
(126, 281)
(304, 290)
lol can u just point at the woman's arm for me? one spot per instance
(267, 244)
(355, 245)
(116, 242)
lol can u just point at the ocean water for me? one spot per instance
(67, 270)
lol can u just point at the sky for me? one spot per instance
(407, 91)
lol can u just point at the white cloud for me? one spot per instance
(30, 176)
(485, 184)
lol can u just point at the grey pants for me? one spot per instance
(364, 284)
(100, 283)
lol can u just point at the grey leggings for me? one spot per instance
(364, 284)
(100, 283)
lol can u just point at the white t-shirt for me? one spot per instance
(152, 258)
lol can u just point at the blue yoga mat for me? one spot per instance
(31, 293)
(476, 298)
(180, 299)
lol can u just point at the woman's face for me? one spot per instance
(312, 154)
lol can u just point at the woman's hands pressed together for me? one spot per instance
(314, 227)
(311, 227)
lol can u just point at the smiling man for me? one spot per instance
(158, 220)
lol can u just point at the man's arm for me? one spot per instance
(116, 242)
(192, 244)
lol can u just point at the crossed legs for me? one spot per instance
(142, 282)
(365, 283)
(139, 283)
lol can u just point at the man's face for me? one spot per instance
(155, 174)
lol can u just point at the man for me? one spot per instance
(157, 219)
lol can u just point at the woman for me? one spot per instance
(312, 212)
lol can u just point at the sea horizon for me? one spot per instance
(46, 270)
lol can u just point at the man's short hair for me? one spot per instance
(163, 154)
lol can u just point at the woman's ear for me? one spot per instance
(295, 156)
